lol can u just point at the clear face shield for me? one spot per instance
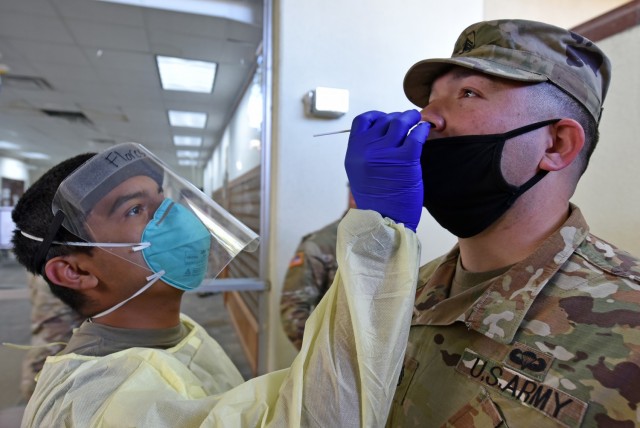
(128, 203)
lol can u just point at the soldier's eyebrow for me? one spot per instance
(487, 80)
(458, 73)
(462, 72)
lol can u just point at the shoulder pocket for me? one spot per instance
(407, 373)
(406, 376)
(479, 412)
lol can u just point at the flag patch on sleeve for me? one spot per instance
(297, 260)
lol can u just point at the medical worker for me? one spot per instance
(120, 237)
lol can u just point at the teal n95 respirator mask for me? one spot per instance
(179, 245)
(127, 202)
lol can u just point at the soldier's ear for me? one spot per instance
(68, 271)
(565, 143)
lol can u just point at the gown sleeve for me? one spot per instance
(354, 342)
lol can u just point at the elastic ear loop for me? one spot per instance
(58, 218)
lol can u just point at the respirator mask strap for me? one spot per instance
(152, 280)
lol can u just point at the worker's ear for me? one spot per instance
(66, 271)
(565, 143)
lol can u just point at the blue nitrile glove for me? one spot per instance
(383, 164)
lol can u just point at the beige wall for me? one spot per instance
(563, 13)
(609, 192)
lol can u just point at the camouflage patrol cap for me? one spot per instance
(526, 51)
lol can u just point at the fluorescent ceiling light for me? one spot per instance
(35, 155)
(189, 119)
(187, 162)
(254, 144)
(8, 146)
(240, 11)
(254, 106)
(188, 153)
(177, 74)
(187, 141)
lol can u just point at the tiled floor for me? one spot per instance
(15, 310)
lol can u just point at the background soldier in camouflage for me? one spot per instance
(530, 320)
(52, 321)
(310, 274)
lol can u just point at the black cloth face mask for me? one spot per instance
(464, 188)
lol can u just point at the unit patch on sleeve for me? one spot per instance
(554, 403)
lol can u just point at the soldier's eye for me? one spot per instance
(468, 93)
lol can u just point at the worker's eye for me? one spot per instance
(135, 210)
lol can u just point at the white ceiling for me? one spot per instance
(99, 60)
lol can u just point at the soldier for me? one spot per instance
(52, 322)
(530, 320)
(310, 274)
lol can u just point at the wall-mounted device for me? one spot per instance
(326, 102)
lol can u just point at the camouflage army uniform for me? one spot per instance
(51, 321)
(310, 274)
(553, 341)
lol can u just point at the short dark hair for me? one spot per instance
(554, 100)
(33, 215)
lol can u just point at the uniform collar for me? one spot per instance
(496, 308)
